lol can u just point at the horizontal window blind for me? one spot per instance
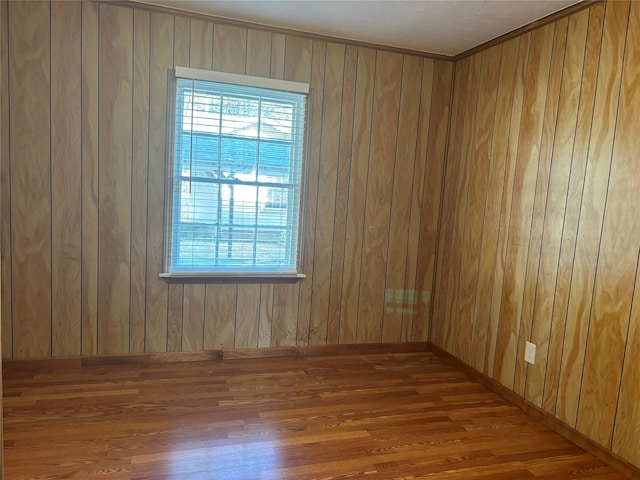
(235, 186)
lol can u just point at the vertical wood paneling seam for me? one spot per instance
(566, 313)
(235, 310)
(146, 235)
(133, 97)
(486, 193)
(272, 297)
(469, 173)
(415, 161)
(366, 183)
(393, 177)
(50, 187)
(546, 201)
(204, 316)
(8, 140)
(335, 196)
(99, 5)
(270, 76)
(624, 357)
(604, 216)
(312, 246)
(82, 6)
(353, 127)
(514, 159)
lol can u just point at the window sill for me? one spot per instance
(232, 277)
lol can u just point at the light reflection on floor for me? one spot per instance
(248, 460)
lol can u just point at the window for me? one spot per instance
(235, 175)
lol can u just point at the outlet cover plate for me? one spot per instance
(530, 353)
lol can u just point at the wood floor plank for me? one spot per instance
(375, 416)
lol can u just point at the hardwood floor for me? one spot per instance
(391, 416)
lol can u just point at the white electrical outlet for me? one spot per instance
(530, 353)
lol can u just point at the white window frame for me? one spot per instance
(236, 80)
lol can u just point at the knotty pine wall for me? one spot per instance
(541, 231)
(83, 154)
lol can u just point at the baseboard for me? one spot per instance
(216, 355)
(542, 416)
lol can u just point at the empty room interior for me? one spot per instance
(320, 239)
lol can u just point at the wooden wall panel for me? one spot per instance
(247, 316)
(139, 176)
(220, 317)
(396, 297)
(384, 132)
(495, 187)
(432, 185)
(311, 186)
(357, 191)
(286, 298)
(157, 293)
(469, 264)
(505, 202)
(592, 210)
(90, 97)
(617, 259)
(342, 194)
(122, 55)
(5, 189)
(326, 185)
(114, 185)
(410, 307)
(175, 323)
(522, 202)
(540, 200)
(463, 148)
(556, 202)
(30, 166)
(562, 222)
(572, 209)
(449, 198)
(66, 180)
(626, 441)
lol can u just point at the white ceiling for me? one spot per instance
(445, 27)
